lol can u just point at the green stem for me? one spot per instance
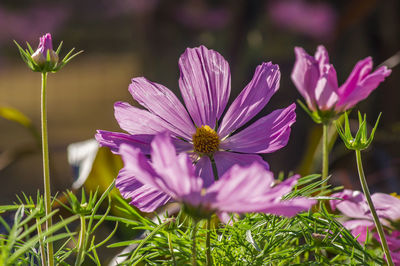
(194, 262)
(81, 244)
(378, 224)
(208, 247)
(325, 152)
(46, 170)
(41, 244)
(171, 249)
(214, 168)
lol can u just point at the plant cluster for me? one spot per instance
(198, 190)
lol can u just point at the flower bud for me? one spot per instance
(45, 53)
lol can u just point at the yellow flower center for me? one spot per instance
(205, 140)
(394, 194)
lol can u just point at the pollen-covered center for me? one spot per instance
(205, 140)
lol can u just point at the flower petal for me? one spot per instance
(138, 121)
(176, 172)
(266, 135)
(360, 83)
(231, 193)
(162, 102)
(113, 140)
(144, 197)
(205, 84)
(305, 75)
(386, 206)
(252, 99)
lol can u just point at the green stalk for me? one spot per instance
(378, 224)
(46, 170)
(81, 243)
(208, 247)
(325, 151)
(194, 262)
(41, 244)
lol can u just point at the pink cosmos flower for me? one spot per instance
(354, 205)
(172, 176)
(198, 129)
(316, 80)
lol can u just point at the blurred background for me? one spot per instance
(123, 39)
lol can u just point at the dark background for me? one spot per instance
(123, 39)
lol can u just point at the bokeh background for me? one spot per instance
(123, 39)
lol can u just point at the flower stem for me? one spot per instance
(372, 208)
(81, 243)
(208, 247)
(41, 244)
(325, 152)
(214, 168)
(194, 262)
(46, 170)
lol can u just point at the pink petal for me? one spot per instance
(144, 197)
(266, 135)
(360, 83)
(205, 84)
(252, 99)
(162, 102)
(113, 140)
(386, 206)
(238, 188)
(138, 121)
(305, 76)
(176, 172)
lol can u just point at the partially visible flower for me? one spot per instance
(354, 205)
(316, 80)
(212, 142)
(45, 53)
(169, 176)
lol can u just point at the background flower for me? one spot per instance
(354, 205)
(316, 80)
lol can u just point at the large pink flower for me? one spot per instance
(172, 176)
(199, 129)
(316, 80)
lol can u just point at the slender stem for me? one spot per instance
(46, 170)
(214, 168)
(81, 243)
(325, 152)
(208, 247)
(41, 244)
(171, 249)
(378, 224)
(194, 262)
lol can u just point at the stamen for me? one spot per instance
(205, 140)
